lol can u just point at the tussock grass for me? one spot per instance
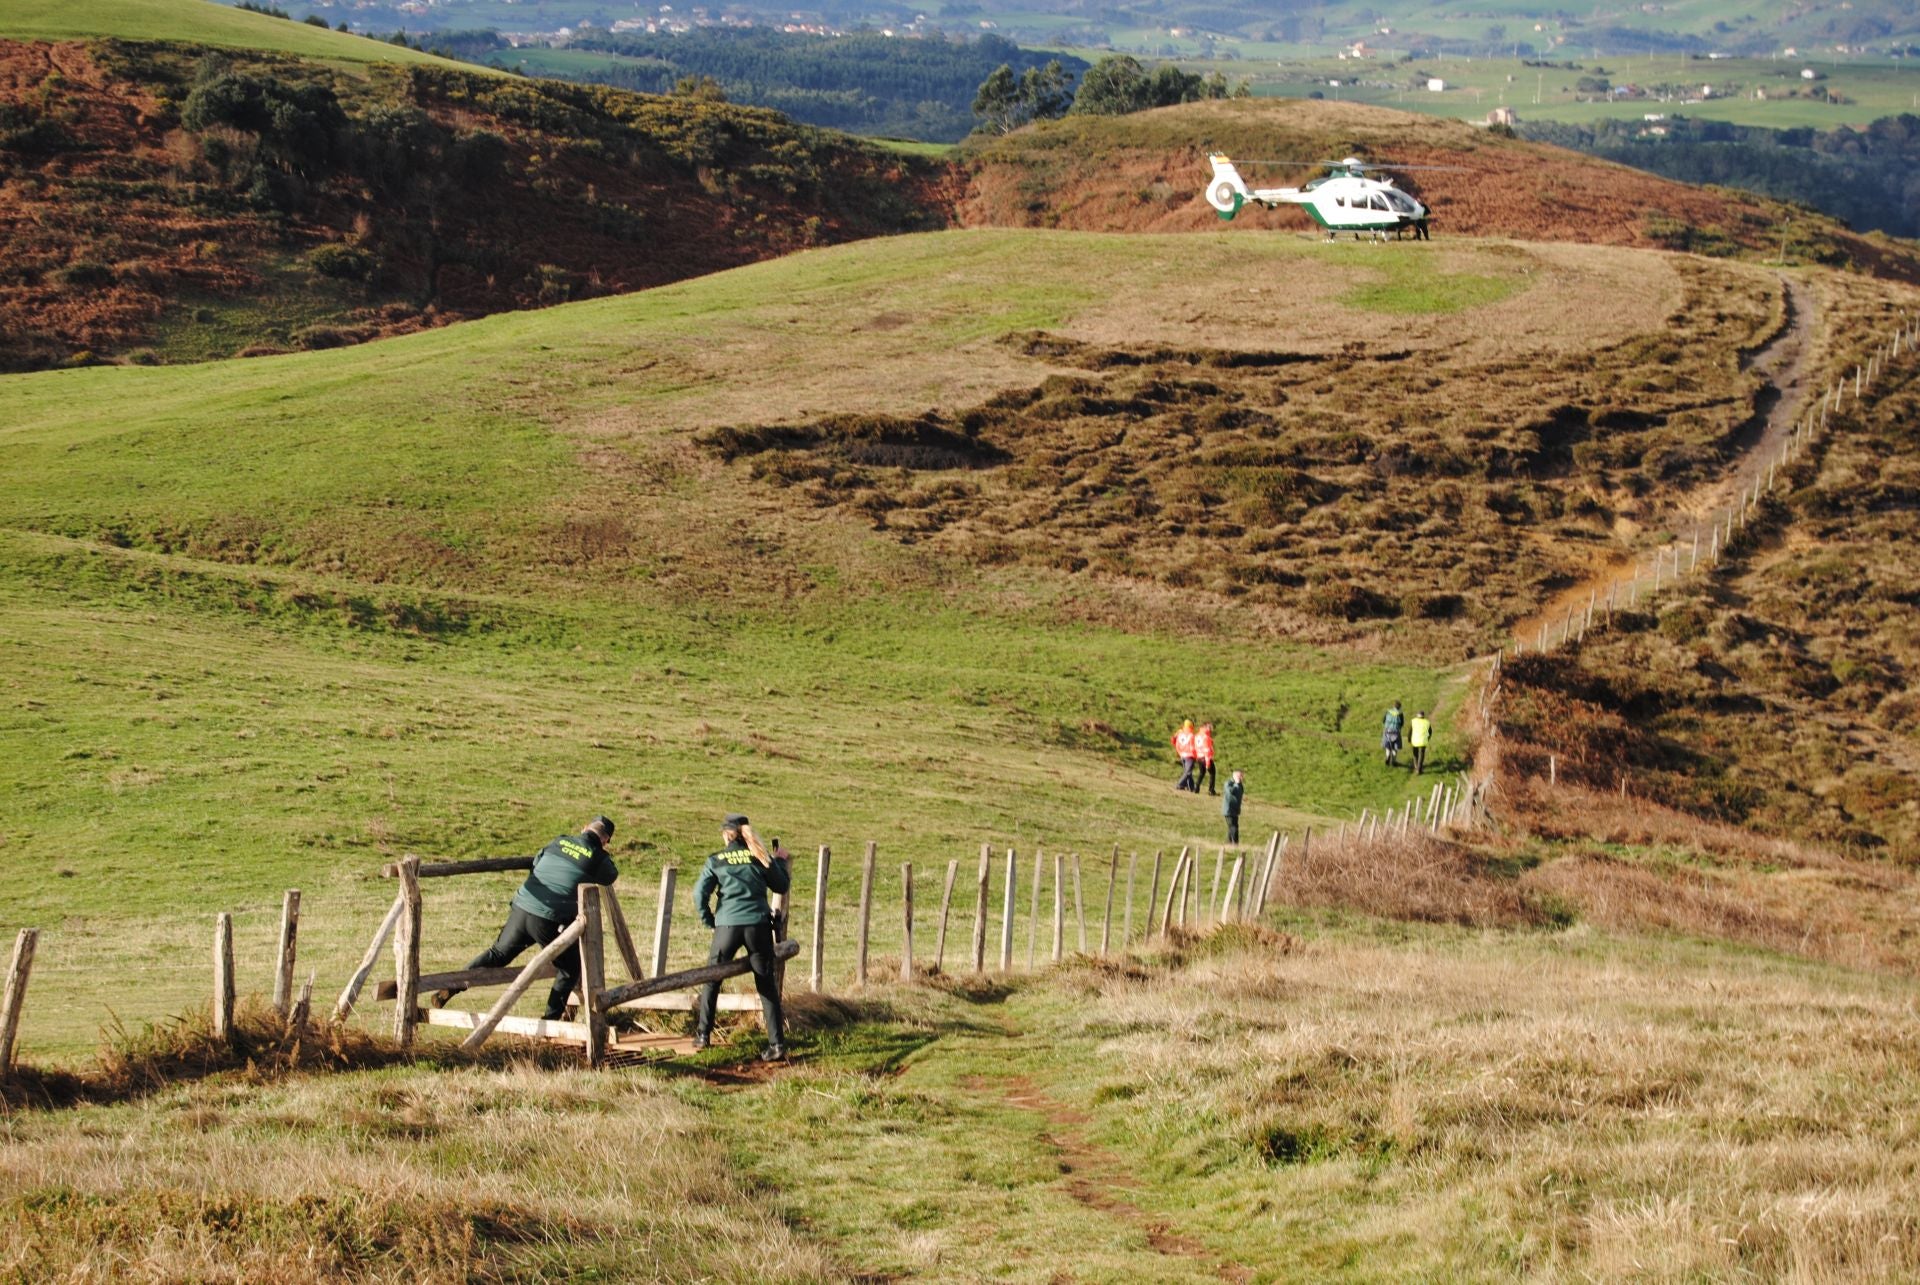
(520, 1172)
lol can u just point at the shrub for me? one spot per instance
(85, 273)
(342, 262)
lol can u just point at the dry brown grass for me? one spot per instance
(516, 1173)
(1775, 693)
(1552, 1107)
(1253, 476)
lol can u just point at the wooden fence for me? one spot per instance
(1238, 889)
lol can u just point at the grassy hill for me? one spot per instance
(929, 541)
(197, 22)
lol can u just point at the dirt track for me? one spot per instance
(1783, 360)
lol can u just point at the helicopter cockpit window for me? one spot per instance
(1379, 202)
(1400, 203)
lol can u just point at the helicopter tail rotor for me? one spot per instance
(1227, 191)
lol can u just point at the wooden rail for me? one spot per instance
(441, 869)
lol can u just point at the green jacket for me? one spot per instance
(743, 885)
(551, 889)
(1230, 795)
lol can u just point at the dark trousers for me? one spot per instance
(1203, 769)
(1419, 759)
(727, 941)
(1186, 781)
(523, 930)
(1233, 828)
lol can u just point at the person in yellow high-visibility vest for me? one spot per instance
(1419, 732)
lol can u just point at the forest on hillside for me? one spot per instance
(1868, 177)
(866, 83)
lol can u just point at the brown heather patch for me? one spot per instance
(1774, 694)
(1251, 476)
(1144, 173)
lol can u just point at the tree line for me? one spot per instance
(1869, 178)
(865, 82)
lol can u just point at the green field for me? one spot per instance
(196, 21)
(237, 666)
(1861, 91)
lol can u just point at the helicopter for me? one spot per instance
(1344, 199)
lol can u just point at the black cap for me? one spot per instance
(604, 825)
(734, 821)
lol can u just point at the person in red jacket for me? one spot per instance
(1183, 750)
(1203, 758)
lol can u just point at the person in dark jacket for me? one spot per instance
(1230, 804)
(546, 903)
(741, 875)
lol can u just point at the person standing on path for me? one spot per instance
(1230, 804)
(742, 873)
(1183, 750)
(546, 903)
(1390, 733)
(1419, 732)
(1203, 758)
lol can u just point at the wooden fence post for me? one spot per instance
(1229, 904)
(289, 935)
(351, 992)
(1079, 908)
(223, 976)
(1059, 906)
(1006, 914)
(1126, 927)
(1190, 901)
(866, 912)
(623, 935)
(1033, 911)
(15, 1000)
(1213, 893)
(1153, 894)
(980, 910)
(663, 919)
(520, 984)
(906, 921)
(406, 955)
(1106, 925)
(1166, 908)
(815, 965)
(303, 1007)
(593, 973)
(946, 904)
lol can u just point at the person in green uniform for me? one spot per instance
(1390, 734)
(1419, 732)
(1230, 804)
(546, 903)
(740, 876)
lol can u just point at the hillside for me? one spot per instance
(983, 553)
(1145, 172)
(929, 541)
(198, 22)
(169, 203)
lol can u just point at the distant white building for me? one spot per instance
(1436, 85)
(1808, 73)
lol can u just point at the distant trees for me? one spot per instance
(1863, 177)
(863, 82)
(1118, 84)
(1005, 102)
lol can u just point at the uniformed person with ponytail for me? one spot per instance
(741, 874)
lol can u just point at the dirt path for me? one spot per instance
(1783, 361)
(1095, 1178)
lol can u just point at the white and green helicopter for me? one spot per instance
(1342, 200)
